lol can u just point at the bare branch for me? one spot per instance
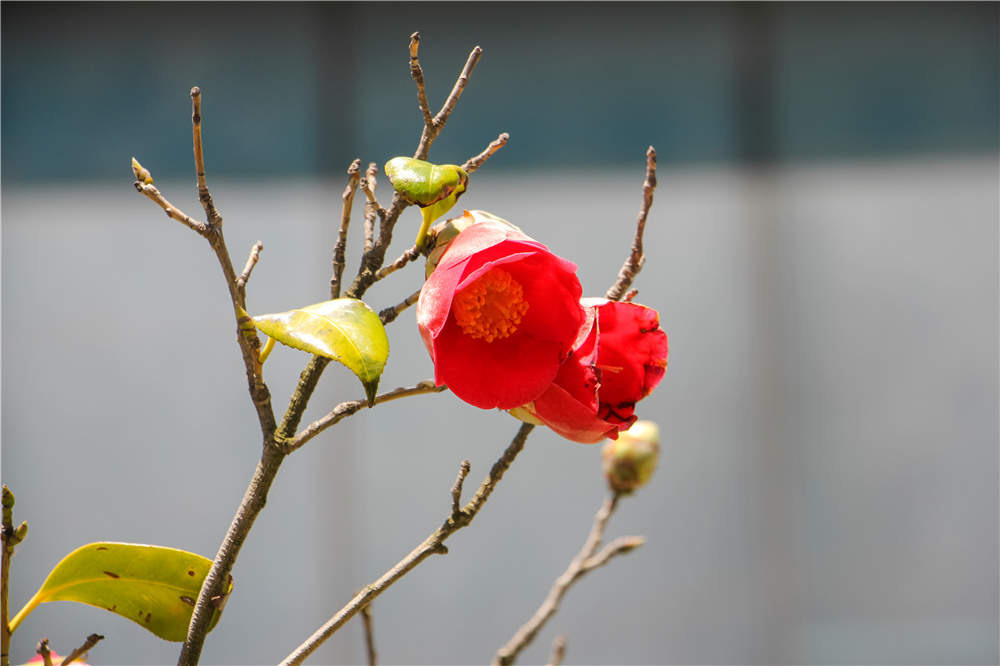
(418, 77)
(437, 124)
(636, 258)
(456, 490)
(558, 651)
(353, 176)
(345, 409)
(11, 537)
(433, 544)
(496, 144)
(390, 313)
(366, 619)
(81, 651)
(172, 211)
(213, 217)
(374, 255)
(255, 497)
(583, 562)
(403, 259)
(279, 439)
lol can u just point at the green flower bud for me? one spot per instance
(629, 461)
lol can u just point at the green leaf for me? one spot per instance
(344, 329)
(154, 586)
(425, 184)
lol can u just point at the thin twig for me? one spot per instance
(353, 177)
(372, 207)
(418, 77)
(434, 128)
(403, 259)
(636, 258)
(212, 215)
(389, 314)
(558, 651)
(456, 490)
(368, 187)
(583, 562)
(345, 409)
(366, 619)
(81, 651)
(172, 211)
(496, 144)
(241, 281)
(43, 649)
(433, 544)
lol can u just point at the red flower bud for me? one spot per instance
(618, 362)
(499, 315)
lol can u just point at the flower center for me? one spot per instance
(491, 307)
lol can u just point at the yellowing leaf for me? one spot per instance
(344, 329)
(153, 586)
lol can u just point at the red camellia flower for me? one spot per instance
(499, 315)
(619, 360)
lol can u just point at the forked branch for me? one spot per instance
(586, 560)
(433, 126)
(433, 544)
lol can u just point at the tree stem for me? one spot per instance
(253, 502)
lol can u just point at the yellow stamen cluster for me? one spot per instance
(491, 308)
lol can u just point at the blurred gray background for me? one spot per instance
(823, 252)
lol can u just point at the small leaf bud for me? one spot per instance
(141, 173)
(20, 533)
(629, 461)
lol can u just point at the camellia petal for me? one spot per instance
(499, 315)
(632, 357)
(594, 394)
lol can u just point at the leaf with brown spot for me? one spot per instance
(150, 585)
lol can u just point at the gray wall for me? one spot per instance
(823, 251)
